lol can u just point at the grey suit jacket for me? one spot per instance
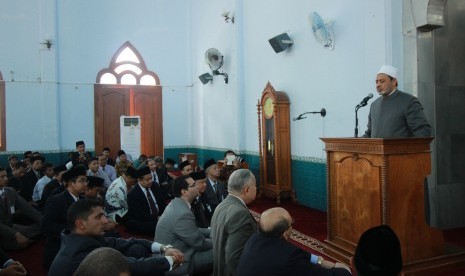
(177, 227)
(232, 225)
(13, 200)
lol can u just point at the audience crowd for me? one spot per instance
(199, 220)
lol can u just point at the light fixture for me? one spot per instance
(228, 16)
(48, 43)
(280, 42)
(205, 78)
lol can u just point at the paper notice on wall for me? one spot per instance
(130, 135)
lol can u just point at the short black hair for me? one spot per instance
(92, 159)
(103, 261)
(229, 151)
(179, 184)
(81, 209)
(47, 165)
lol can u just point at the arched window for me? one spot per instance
(127, 67)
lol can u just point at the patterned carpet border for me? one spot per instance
(301, 238)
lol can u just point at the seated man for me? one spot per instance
(14, 234)
(123, 163)
(104, 261)
(95, 170)
(16, 180)
(109, 169)
(86, 221)
(160, 177)
(56, 208)
(56, 185)
(216, 190)
(116, 198)
(31, 177)
(80, 156)
(94, 188)
(140, 162)
(39, 187)
(260, 251)
(177, 227)
(185, 167)
(231, 163)
(202, 210)
(378, 252)
(12, 160)
(145, 204)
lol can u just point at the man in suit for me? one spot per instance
(159, 176)
(145, 204)
(202, 211)
(56, 208)
(14, 235)
(260, 251)
(12, 160)
(86, 223)
(55, 186)
(177, 227)
(31, 177)
(80, 156)
(232, 224)
(216, 190)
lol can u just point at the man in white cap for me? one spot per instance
(395, 114)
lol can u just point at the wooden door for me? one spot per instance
(113, 101)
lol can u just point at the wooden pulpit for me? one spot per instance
(380, 181)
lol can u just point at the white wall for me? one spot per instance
(312, 76)
(172, 37)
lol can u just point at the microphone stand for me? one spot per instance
(356, 117)
(322, 112)
(356, 121)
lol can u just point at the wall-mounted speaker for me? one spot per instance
(204, 78)
(281, 42)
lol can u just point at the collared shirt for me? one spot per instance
(238, 198)
(102, 174)
(39, 188)
(111, 172)
(116, 199)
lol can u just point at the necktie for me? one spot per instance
(153, 207)
(155, 178)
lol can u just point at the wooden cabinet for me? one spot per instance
(274, 144)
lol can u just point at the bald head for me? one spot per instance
(275, 221)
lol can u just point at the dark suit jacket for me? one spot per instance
(139, 218)
(201, 213)
(211, 198)
(29, 181)
(76, 247)
(53, 223)
(20, 206)
(3, 258)
(265, 256)
(48, 188)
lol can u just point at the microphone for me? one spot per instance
(365, 100)
(298, 118)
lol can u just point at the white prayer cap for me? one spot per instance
(389, 70)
